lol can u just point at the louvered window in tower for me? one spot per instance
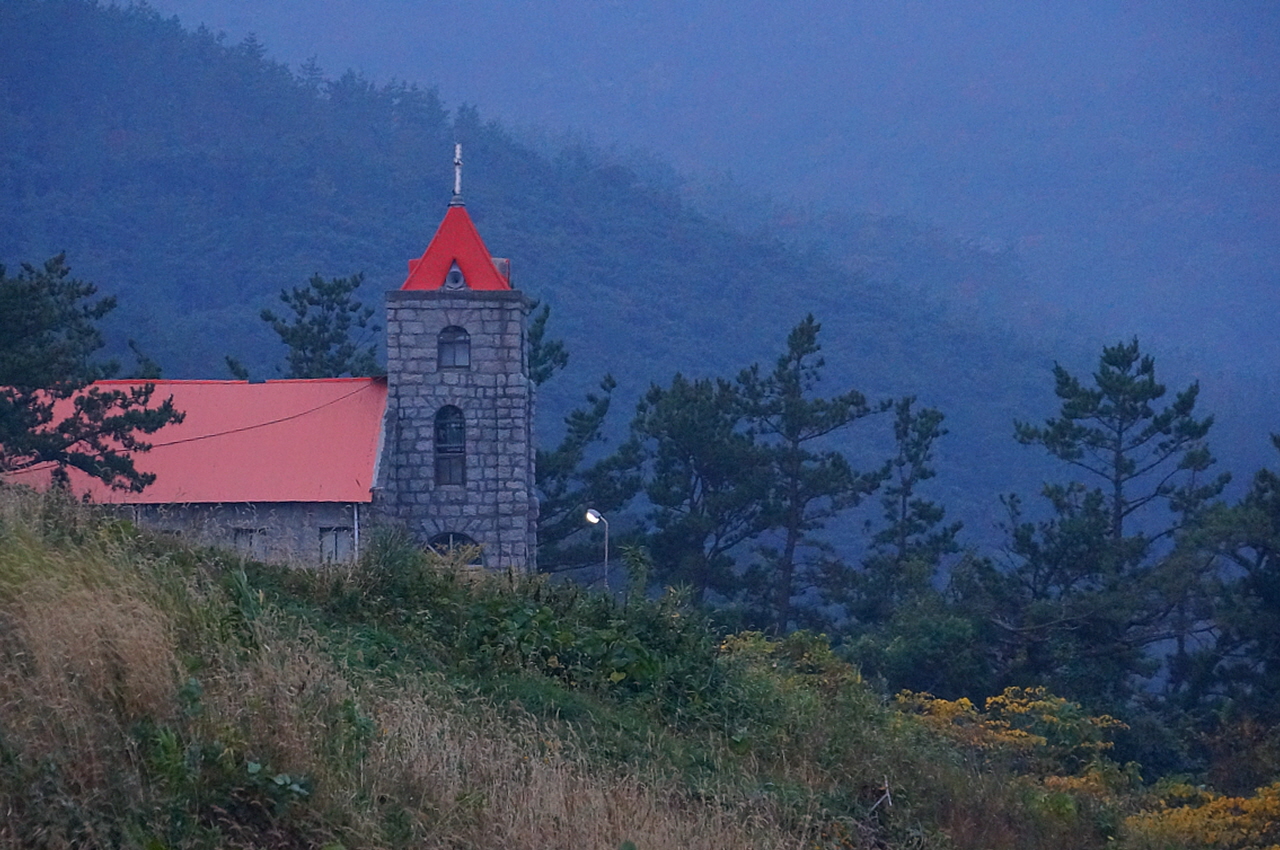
(454, 348)
(451, 447)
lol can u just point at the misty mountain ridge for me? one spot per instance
(195, 179)
(1127, 153)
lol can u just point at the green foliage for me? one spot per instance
(49, 414)
(913, 529)
(145, 368)
(412, 701)
(571, 477)
(1088, 592)
(490, 626)
(1078, 611)
(1247, 650)
(1112, 431)
(568, 483)
(902, 628)
(907, 551)
(319, 333)
(1226, 682)
(546, 356)
(925, 643)
(214, 791)
(706, 477)
(808, 485)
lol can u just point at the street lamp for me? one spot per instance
(593, 517)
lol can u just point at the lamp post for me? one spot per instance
(593, 517)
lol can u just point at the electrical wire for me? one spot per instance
(255, 426)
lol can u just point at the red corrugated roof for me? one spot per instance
(456, 241)
(277, 441)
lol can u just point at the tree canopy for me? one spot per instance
(49, 412)
(1112, 431)
(329, 333)
(811, 483)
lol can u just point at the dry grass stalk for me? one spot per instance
(479, 783)
(83, 656)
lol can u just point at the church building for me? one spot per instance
(298, 470)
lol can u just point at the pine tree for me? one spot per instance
(569, 484)
(318, 334)
(810, 482)
(546, 356)
(907, 551)
(49, 412)
(1093, 587)
(706, 478)
(1245, 660)
(902, 627)
(1112, 432)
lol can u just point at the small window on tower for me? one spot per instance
(454, 348)
(451, 447)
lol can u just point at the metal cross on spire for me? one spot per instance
(457, 174)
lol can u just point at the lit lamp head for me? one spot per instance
(593, 516)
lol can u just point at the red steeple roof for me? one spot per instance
(456, 242)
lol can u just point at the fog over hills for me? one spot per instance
(1128, 154)
(194, 179)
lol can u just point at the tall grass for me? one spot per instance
(149, 697)
(155, 695)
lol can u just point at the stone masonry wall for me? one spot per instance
(303, 533)
(497, 505)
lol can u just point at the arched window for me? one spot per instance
(451, 446)
(454, 348)
(450, 541)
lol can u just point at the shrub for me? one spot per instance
(1194, 818)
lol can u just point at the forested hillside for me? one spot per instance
(195, 179)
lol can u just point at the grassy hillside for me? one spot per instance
(158, 696)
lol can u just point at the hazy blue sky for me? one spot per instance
(1130, 152)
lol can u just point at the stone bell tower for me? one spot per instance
(458, 459)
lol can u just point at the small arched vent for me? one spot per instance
(455, 279)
